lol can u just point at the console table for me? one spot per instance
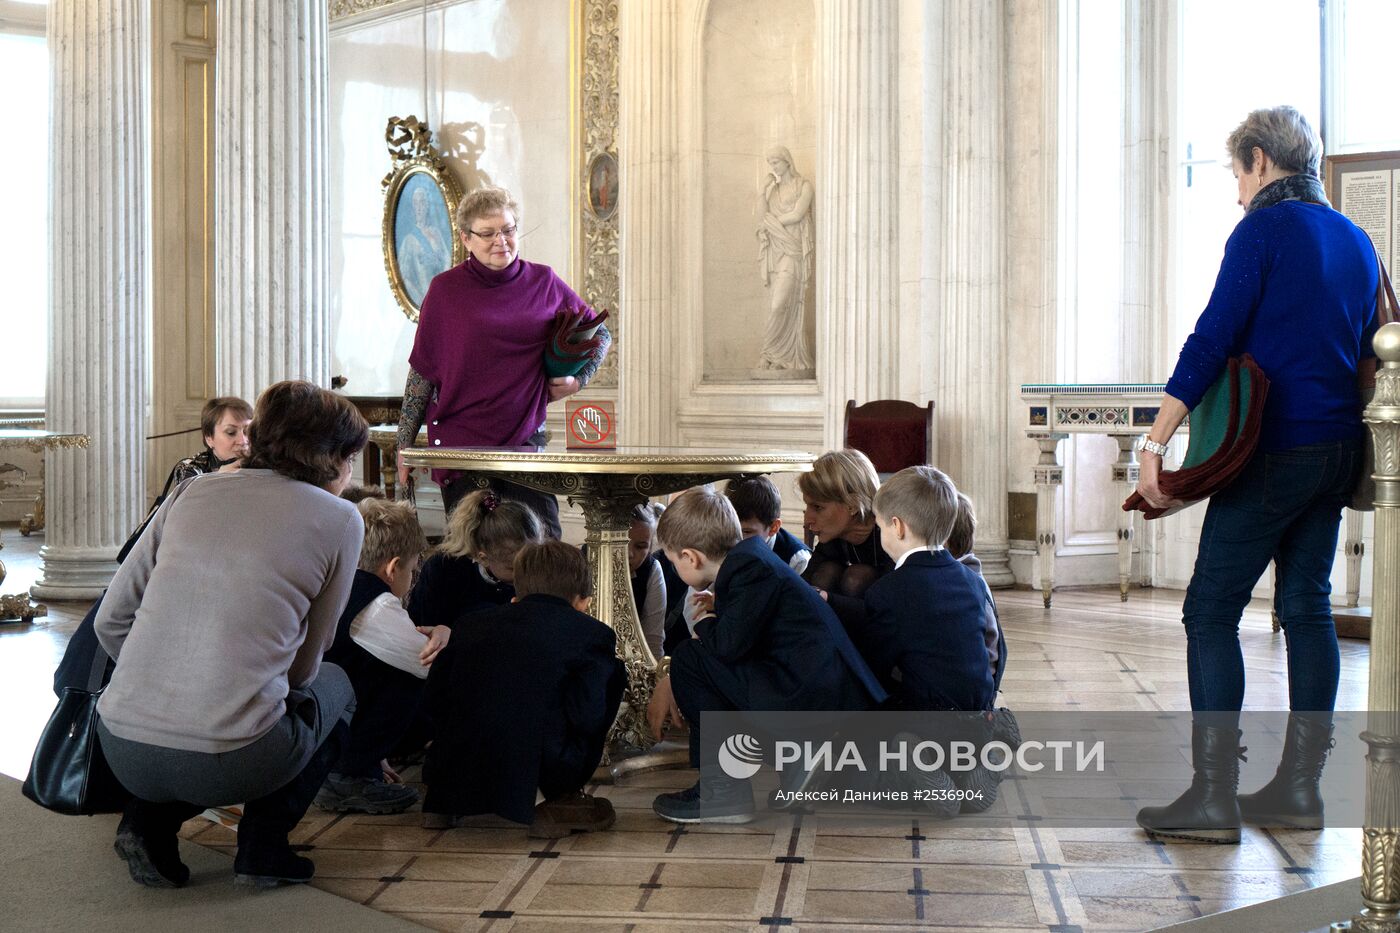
(1125, 412)
(40, 442)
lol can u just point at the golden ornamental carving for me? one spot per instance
(419, 235)
(598, 105)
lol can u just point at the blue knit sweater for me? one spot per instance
(1297, 291)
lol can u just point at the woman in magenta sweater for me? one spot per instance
(1297, 291)
(476, 374)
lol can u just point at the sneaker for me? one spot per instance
(572, 813)
(345, 794)
(442, 820)
(982, 785)
(794, 780)
(710, 800)
(1005, 728)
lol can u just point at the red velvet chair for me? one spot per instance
(892, 433)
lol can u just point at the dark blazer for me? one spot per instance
(924, 634)
(448, 587)
(787, 545)
(782, 637)
(522, 689)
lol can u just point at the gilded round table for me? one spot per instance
(40, 442)
(607, 485)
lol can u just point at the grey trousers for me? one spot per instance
(210, 779)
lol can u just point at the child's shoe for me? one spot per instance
(713, 799)
(348, 794)
(572, 813)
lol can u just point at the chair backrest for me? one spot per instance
(894, 434)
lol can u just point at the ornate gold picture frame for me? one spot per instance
(419, 235)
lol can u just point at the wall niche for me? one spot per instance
(758, 156)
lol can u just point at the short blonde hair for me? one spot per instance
(1285, 136)
(925, 499)
(964, 533)
(845, 476)
(391, 530)
(484, 201)
(702, 520)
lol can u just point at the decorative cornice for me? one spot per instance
(339, 9)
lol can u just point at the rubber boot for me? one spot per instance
(1292, 798)
(1208, 811)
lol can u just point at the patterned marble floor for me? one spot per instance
(784, 873)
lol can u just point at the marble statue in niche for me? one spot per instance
(786, 244)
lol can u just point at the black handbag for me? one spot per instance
(69, 773)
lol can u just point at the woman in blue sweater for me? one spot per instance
(1296, 290)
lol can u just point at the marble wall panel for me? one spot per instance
(759, 90)
(498, 97)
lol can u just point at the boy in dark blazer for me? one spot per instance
(759, 506)
(770, 643)
(525, 695)
(924, 630)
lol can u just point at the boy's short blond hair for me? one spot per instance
(845, 476)
(923, 498)
(552, 568)
(702, 520)
(960, 539)
(391, 530)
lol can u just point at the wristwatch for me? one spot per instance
(1152, 447)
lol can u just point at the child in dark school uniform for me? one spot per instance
(759, 506)
(386, 658)
(770, 643)
(472, 568)
(522, 699)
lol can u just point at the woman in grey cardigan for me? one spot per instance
(217, 621)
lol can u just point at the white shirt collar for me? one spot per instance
(905, 556)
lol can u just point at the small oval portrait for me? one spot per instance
(419, 233)
(422, 235)
(602, 185)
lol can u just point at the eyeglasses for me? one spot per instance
(491, 235)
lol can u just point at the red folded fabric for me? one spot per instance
(1214, 473)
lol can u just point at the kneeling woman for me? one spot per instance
(217, 621)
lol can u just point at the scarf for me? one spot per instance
(1299, 187)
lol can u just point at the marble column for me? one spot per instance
(98, 206)
(270, 177)
(1148, 78)
(649, 241)
(973, 393)
(857, 213)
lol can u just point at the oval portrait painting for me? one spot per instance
(423, 241)
(602, 185)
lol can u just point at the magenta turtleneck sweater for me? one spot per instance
(480, 342)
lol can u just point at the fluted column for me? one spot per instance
(972, 396)
(857, 216)
(270, 178)
(97, 275)
(649, 166)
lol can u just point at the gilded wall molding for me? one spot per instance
(339, 9)
(598, 108)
